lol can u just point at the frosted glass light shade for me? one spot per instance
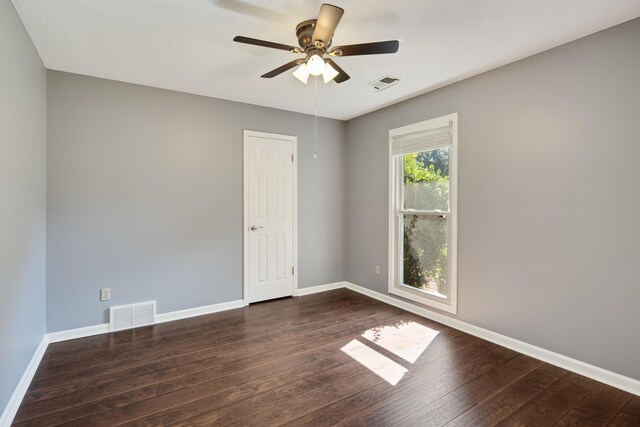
(329, 73)
(315, 65)
(302, 73)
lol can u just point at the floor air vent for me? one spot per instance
(132, 315)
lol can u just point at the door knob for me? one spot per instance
(255, 227)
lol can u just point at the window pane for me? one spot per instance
(426, 180)
(425, 253)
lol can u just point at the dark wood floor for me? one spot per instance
(282, 363)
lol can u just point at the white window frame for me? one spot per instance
(449, 304)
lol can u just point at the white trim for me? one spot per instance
(87, 331)
(72, 334)
(438, 122)
(321, 288)
(198, 311)
(450, 305)
(23, 385)
(245, 220)
(590, 371)
(295, 217)
(245, 210)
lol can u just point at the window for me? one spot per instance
(423, 212)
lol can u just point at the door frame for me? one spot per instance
(245, 208)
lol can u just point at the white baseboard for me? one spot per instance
(321, 288)
(72, 334)
(602, 375)
(21, 389)
(87, 331)
(198, 311)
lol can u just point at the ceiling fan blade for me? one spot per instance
(283, 68)
(328, 20)
(264, 43)
(342, 76)
(375, 48)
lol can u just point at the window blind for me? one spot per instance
(421, 141)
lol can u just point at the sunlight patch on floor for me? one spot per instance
(377, 363)
(406, 340)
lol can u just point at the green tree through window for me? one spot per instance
(426, 188)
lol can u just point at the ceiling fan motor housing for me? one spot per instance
(304, 32)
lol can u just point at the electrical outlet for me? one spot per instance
(377, 270)
(105, 294)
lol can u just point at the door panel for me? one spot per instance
(261, 244)
(269, 225)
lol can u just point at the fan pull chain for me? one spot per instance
(315, 118)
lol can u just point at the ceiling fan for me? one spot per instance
(314, 38)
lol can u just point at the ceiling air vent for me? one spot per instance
(383, 83)
(132, 315)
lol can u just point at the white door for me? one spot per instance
(269, 216)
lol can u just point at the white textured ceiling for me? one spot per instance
(186, 45)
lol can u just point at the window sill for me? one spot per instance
(449, 308)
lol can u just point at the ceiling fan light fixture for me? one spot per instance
(302, 73)
(315, 37)
(315, 65)
(329, 73)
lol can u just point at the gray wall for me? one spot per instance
(22, 200)
(549, 197)
(145, 197)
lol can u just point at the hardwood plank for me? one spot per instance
(240, 410)
(473, 392)
(219, 394)
(496, 379)
(395, 407)
(502, 404)
(349, 372)
(629, 416)
(439, 412)
(436, 361)
(260, 402)
(550, 405)
(625, 419)
(307, 402)
(633, 406)
(598, 408)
